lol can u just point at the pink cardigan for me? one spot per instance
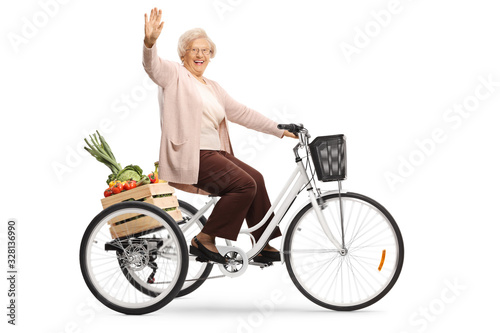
(180, 114)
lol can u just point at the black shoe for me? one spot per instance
(272, 255)
(262, 260)
(205, 254)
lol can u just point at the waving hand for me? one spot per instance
(152, 27)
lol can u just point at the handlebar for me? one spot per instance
(293, 128)
(300, 131)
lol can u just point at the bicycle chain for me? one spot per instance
(211, 277)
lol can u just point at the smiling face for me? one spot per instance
(197, 62)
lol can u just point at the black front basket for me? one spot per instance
(329, 157)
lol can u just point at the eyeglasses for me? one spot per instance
(195, 51)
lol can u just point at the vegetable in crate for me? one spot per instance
(153, 176)
(129, 184)
(100, 149)
(130, 172)
(117, 188)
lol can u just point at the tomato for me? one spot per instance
(129, 184)
(108, 192)
(117, 188)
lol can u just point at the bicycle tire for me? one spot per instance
(95, 253)
(359, 254)
(205, 268)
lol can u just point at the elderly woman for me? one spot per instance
(195, 151)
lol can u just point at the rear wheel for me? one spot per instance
(356, 278)
(141, 267)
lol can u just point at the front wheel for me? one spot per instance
(351, 279)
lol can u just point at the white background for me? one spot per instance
(76, 69)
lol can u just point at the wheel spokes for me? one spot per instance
(343, 280)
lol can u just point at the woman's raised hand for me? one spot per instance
(152, 27)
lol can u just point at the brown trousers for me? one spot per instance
(242, 192)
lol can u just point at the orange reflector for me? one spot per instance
(381, 261)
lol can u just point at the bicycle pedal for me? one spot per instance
(261, 264)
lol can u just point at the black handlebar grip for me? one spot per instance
(294, 128)
(286, 126)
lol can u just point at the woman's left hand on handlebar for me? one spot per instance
(290, 135)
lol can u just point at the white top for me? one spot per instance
(213, 114)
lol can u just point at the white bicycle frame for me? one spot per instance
(299, 175)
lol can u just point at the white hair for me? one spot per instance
(189, 36)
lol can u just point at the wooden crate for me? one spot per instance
(129, 224)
